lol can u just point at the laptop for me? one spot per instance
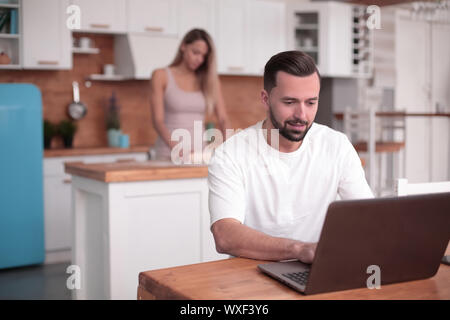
(405, 237)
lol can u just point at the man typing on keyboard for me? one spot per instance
(270, 185)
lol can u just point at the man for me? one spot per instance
(270, 203)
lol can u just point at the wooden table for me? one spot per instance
(238, 278)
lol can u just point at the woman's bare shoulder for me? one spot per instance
(159, 76)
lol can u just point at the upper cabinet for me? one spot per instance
(248, 33)
(230, 37)
(102, 16)
(267, 29)
(46, 38)
(196, 14)
(153, 16)
(334, 35)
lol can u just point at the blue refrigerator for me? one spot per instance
(21, 176)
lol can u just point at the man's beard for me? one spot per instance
(290, 134)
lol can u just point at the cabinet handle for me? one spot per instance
(46, 62)
(100, 26)
(67, 181)
(154, 29)
(235, 68)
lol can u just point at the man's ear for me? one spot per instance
(265, 99)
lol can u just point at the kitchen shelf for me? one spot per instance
(10, 66)
(308, 49)
(9, 36)
(9, 5)
(102, 77)
(86, 50)
(10, 43)
(307, 26)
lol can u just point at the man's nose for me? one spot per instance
(300, 111)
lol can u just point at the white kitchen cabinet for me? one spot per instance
(267, 29)
(124, 228)
(46, 39)
(58, 199)
(102, 16)
(248, 33)
(334, 34)
(231, 37)
(153, 16)
(196, 14)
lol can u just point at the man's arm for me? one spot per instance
(234, 238)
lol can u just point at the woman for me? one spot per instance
(186, 91)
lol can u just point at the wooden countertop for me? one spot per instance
(340, 115)
(135, 171)
(69, 152)
(238, 278)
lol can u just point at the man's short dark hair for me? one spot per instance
(296, 63)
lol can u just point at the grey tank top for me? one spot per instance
(181, 110)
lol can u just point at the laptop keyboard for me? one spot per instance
(299, 277)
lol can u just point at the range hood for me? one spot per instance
(137, 55)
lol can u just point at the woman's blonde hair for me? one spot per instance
(206, 73)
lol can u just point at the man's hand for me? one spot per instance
(307, 252)
(236, 239)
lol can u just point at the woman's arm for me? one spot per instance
(220, 111)
(157, 87)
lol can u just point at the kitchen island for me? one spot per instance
(134, 216)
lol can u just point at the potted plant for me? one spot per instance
(67, 131)
(113, 122)
(49, 133)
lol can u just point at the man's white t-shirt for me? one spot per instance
(284, 194)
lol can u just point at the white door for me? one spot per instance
(440, 96)
(46, 39)
(57, 211)
(103, 16)
(413, 94)
(266, 32)
(152, 16)
(231, 36)
(196, 14)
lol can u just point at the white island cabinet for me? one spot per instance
(131, 217)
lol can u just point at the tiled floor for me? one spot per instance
(35, 282)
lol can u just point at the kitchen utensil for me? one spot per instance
(77, 109)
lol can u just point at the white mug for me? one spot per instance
(108, 69)
(85, 42)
